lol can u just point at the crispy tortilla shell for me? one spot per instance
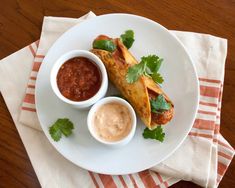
(137, 93)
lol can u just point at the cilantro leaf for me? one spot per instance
(149, 66)
(61, 126)
(135, 72)
(128, 38)
(156, 133)
(157, 78)
(104, 45)
(55, 133)
(153, 63)
(159, 104)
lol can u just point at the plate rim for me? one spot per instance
(197, 91)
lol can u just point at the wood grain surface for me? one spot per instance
(20, 25)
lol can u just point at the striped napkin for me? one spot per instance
(208, 153)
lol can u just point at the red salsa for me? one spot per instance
(79, 79)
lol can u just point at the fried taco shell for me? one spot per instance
(138, 93)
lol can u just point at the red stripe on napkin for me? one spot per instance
(29, 98)
(206, 112)
(166, 184)
(31, 86)
(28, 109)
(225, 155)
(39, 56)
(133, 181)
(159, 177)
(33, 78)
(107, 181)
(210, 80)
(225, 145)
(122, 181)
(36, 66)
(217, 129)
(208, 104)
(209, 91)
(200, 135)
(221, 168)
(32, 50)
(204, 124)
(147, 179)
(93, 179)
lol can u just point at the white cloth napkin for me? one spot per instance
(203, 158)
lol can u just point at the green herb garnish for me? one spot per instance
(159, 104)
(156, 134)
(135, 72)
(61, 126)
(148, 66)
(104, 45)
(157, 78)
(128, 38)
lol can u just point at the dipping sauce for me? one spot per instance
(79, 79)
(112, 122)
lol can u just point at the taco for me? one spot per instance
(142, 91)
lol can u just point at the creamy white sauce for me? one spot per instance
(112, 122)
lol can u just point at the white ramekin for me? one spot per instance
(96, 106)
(104, 83)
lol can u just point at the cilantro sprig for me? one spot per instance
(156, 134)
(159, 104)
(61, 127)
(148, 66)
(128, 38)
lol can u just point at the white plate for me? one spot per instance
(180, 84)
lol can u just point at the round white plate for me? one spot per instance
(180, 84)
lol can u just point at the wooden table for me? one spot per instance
(20, 24)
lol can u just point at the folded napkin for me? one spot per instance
(203, 157)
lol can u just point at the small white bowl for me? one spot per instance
(104, 83)
(96, 106)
